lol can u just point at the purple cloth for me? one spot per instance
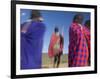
(31, 45)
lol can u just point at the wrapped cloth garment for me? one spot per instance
(78, 49)
(88, 40)
(87, 36)
(32, 34)
(55, 45)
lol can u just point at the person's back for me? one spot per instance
(78, 51)
(61, 43)
(87, 35)
(32, 34)
(31, 46)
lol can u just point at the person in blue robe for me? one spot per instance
(32, 35)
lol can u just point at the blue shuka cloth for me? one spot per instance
(31, 45)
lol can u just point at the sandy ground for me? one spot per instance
(62, 65)
(46, 62)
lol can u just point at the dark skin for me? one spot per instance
(38, 19)
(36, 16)
(78, 18)
(87, 24)
(57, 57)
(57, 60)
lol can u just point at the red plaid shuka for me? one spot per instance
(78, 49)
(87, 36)
(53, 40)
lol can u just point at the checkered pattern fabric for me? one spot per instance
(87, 36)
(78, 49)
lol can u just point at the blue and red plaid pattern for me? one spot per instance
(78, 50)
(88, 40)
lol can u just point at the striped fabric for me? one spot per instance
(78, 49)
(87, 36)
